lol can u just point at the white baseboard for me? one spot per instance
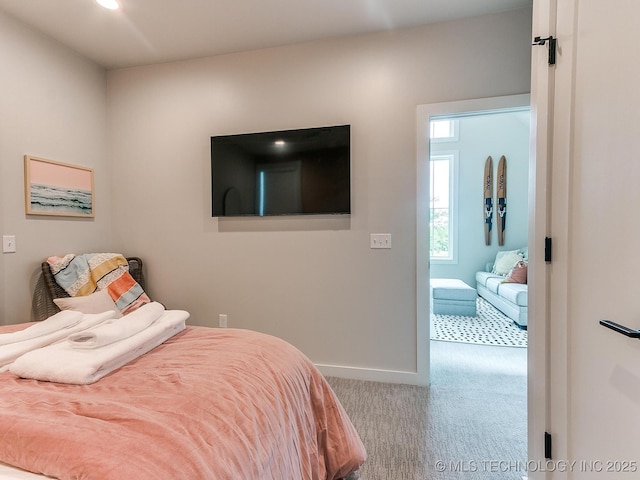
(372, 375)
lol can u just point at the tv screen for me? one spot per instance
(289, 172)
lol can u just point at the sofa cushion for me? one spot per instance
(483, 277)
(493, 283)
(514, 292)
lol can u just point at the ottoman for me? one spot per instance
(450, 296)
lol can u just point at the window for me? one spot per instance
(445, 130)
(442, 211)
(442, 215)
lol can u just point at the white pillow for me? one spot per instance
(525, 253)
(97, 302)
(505, 261)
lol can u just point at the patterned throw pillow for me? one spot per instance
(518, 273)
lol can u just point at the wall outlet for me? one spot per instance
(222, 321)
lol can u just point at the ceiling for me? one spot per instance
(156, 31)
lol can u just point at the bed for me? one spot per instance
(205, 404)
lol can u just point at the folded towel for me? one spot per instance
(117, 329)
(11, 351)
(54, 323)
(64, 364)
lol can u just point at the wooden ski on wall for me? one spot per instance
(487, 184)
(502, 199)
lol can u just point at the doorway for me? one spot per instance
(469, 246)
(461, 251)
(424, 114)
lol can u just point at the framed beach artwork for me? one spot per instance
(55, 188)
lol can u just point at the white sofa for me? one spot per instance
(510, 298)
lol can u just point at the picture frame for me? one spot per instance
(58, 189)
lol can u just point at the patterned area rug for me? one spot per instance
(489, 327)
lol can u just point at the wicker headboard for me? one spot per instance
(56, 291)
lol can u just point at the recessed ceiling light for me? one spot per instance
(279, 143)
(110, 4)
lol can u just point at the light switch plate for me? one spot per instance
(8, 244)
(380, 240)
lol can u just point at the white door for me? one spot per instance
(594, 171)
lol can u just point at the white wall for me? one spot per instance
(314, 282)
(52, 105)
(505, 133)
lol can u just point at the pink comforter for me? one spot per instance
(207, 404)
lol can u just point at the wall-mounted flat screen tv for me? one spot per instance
(289, 172)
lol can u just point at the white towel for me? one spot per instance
(64, 364)
(55, 323)
(11, 351)
(117, 329)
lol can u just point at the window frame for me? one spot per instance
(453, 157)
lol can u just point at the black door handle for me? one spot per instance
(626, 331)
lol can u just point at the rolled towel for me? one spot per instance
(117, 329)
(55, 323)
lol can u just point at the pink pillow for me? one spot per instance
(518, 273)
(97, 302)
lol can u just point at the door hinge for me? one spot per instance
(547, 249)
(547, 445)
(552, 47)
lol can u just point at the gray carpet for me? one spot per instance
(469, 424)
(489, 327)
